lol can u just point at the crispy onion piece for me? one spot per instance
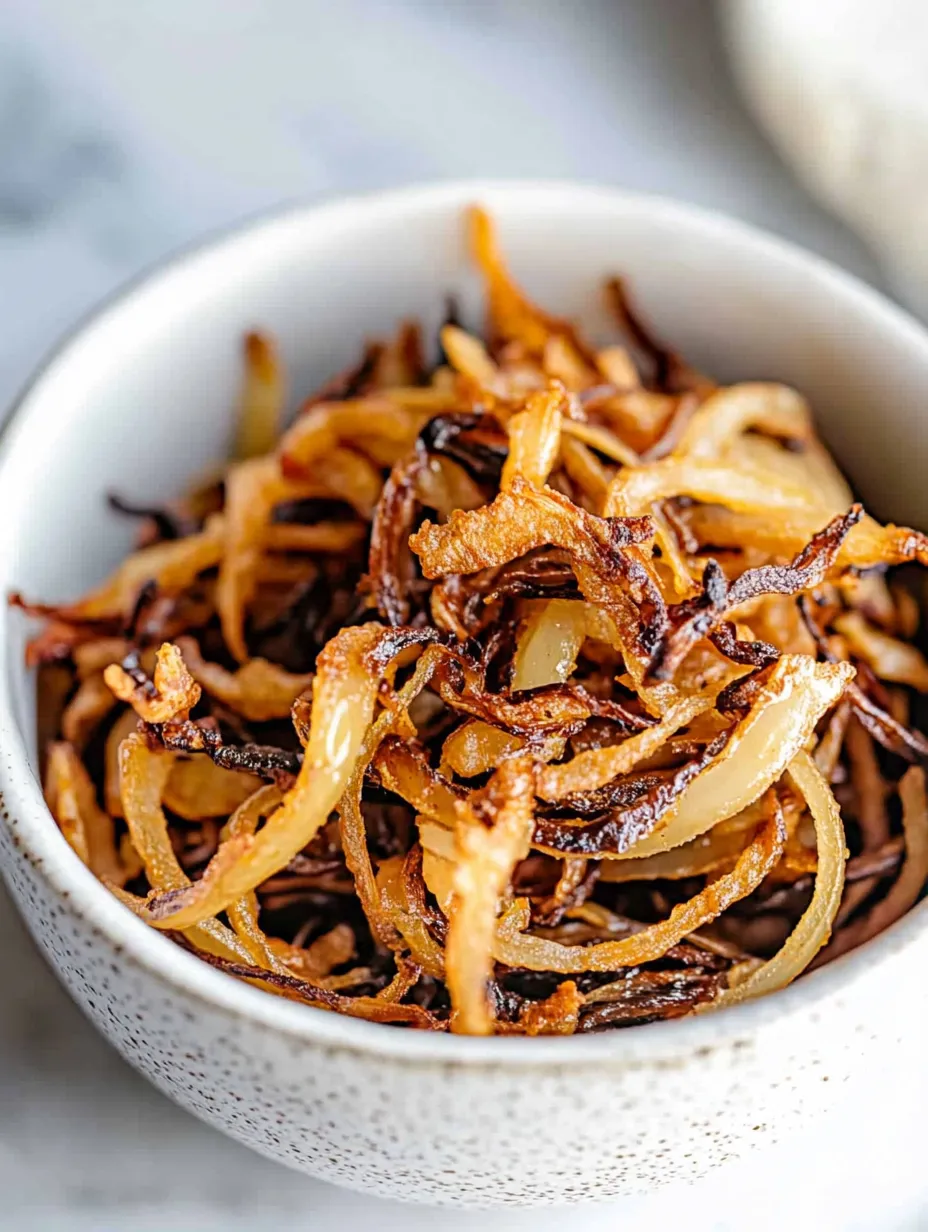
(512, 317)
(467, 355)
(602, 440)
(727, 413)
(403, 768)
(390, 566)
(475, 748)
(252, 489)
(546, 653)
(330, 537)
(635, 814)
(518, 521)
(259, 690)
(603, 551)
(262, 398)
(348, 675)
(518, 949)
(143, 774)
(348, 476)
(558, 1014)
(373, 1009)
(706, 854)
(889, 658)
(535, 439)
(867, 546)
(778, 726)
(352, 828)
(243, 914)
(444, 485)
(493, 831)
(376, 426)
(597, 767)
(86, 710)
(72, 801)
(171, 694)
(696, 618)
(409, 923)
(532, 714)
(814, 928)
(317, 960)
(735, 487)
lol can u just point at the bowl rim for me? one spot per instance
(25, 811)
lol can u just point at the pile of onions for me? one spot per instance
(545, 688)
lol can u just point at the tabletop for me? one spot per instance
(128, 130)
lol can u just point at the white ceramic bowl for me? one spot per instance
(140, 398)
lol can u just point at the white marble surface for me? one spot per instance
(127, 129)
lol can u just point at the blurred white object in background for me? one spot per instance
(842, 89)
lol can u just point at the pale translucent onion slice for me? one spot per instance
(346, 686)
(778, 726)
(814, 927)
(756, 491)
(534, 439)
(72, 801)
(490, 839)
(548, 643)
(547, 646)
(376, 426)
(469, 356)
(86, 710)
(729, 412)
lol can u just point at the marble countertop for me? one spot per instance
(127, 130)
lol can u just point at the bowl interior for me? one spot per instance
(142, 399)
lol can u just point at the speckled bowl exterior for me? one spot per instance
(144, 391)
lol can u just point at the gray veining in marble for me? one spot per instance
(127, 129)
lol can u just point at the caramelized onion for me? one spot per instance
(814, 928)
(631, 629)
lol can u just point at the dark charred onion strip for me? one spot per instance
(649, 996)
(389, 568)
(475, 441)
(696, 618)
(894, 736)
(619, 829)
